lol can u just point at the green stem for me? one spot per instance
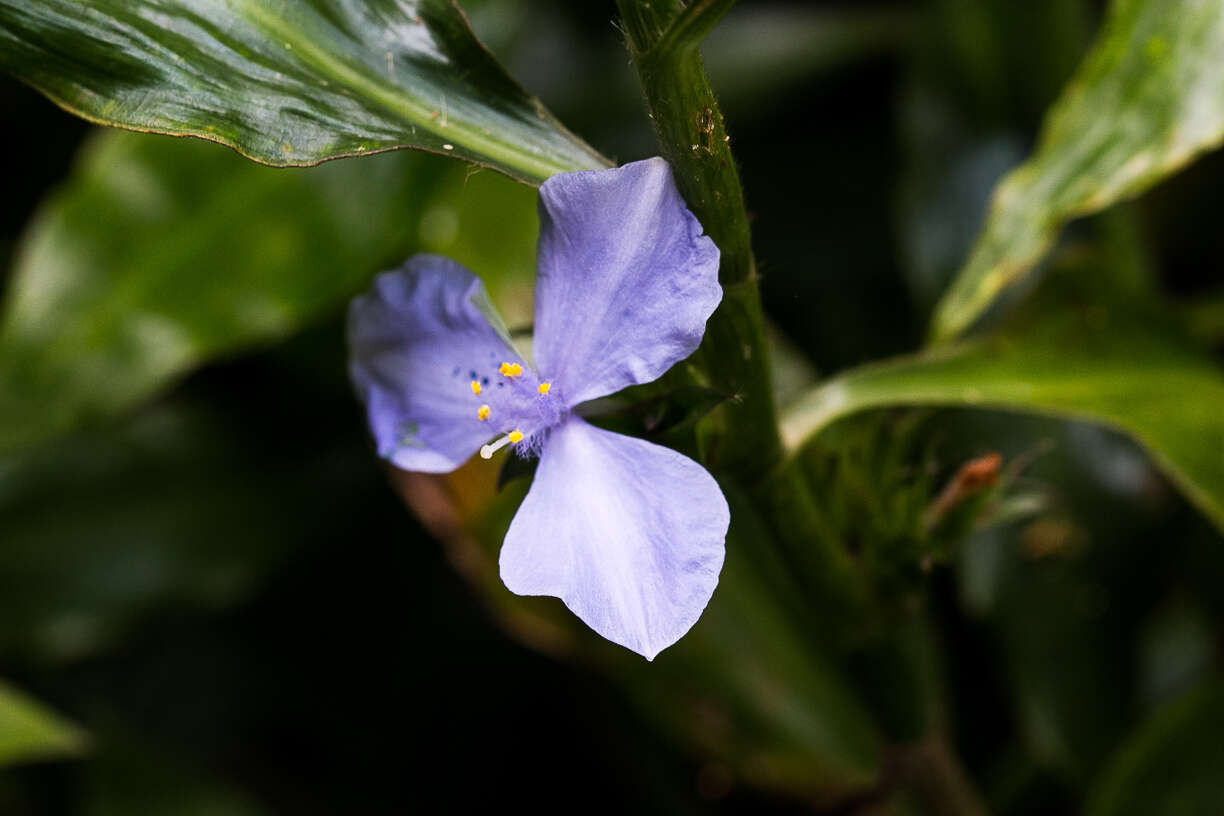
(662, 38)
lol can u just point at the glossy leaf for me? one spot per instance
(289, 83)
(1171, 765)
(28, 731)
(162, 254)
(1148, 99)
(1123, 366)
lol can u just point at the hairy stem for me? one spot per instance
(662, 38)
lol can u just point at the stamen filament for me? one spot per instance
(487, 451)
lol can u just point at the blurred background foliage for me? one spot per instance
(214, 592)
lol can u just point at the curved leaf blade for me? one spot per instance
(1147, 100)
(1171, 764)
(289, 83)
(1122, 367)
(29, 732)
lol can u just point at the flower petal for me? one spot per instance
(417, 341)
(629, 534)
(626, 279)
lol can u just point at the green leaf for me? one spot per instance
(289, 83)
(162, 254)
(1171, 765)
(28, 731)
(1148, 99)
(1125, 366)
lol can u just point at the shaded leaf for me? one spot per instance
(28, 731)
(516, 467)
(1124, 366)
(744, 686)
(167, 511)
(133, 774)
(1171, 765)
(1148, 98)
(289, 83)
(758, 52)
(654, 417)
(983, 75)
(161, 254)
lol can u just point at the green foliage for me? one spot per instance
(1071, 354)
(29, 732)
(1145, 102)
(1171, 765)
(289, 84)
(162, 254)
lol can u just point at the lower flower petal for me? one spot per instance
(630, 535)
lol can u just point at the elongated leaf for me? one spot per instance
(1147, 100)
(1171, 765)
(1124, 367)
(28, 731)
(162, 254)
(289, 83)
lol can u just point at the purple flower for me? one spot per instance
(627, 533)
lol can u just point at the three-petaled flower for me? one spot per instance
(630, 535)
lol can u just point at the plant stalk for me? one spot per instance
(662, 38)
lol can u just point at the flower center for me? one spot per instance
(518, 405)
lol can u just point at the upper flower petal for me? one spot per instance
(626, 279)
(629, 534)
(417, 341)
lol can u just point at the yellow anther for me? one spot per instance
(543, 389)
(475, 387)
(483, 413)
(515, 436)
(511, 369)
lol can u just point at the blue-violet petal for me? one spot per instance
(417, 341)
(630, 535)
(626, 279)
